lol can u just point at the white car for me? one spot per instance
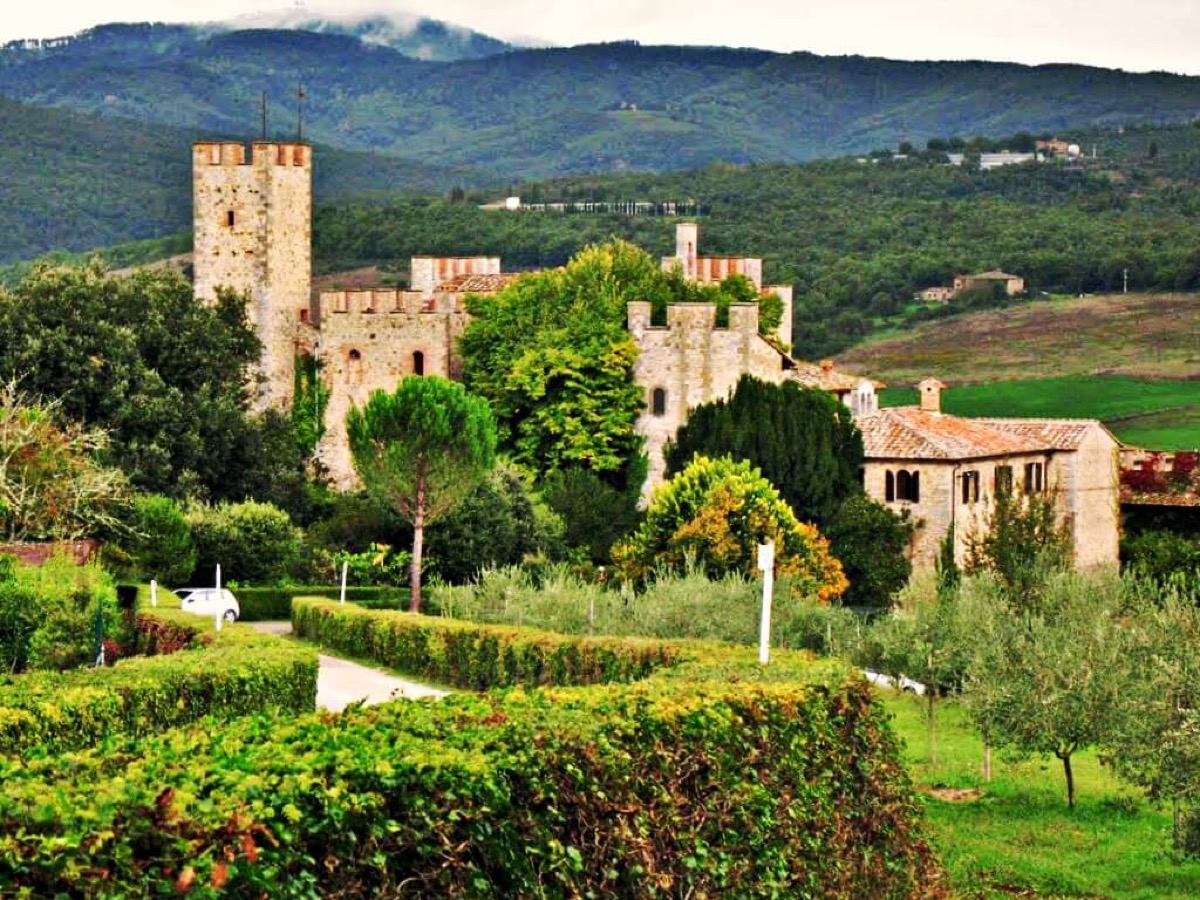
(207, 601)
(903, 683)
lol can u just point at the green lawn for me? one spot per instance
(1162, 415)
(1019, 839)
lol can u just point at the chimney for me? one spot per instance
(931, 395)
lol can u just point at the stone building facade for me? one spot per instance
(945, 471)
(252, 220)
(253, 234)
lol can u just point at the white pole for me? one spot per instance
(218, 603)
(345, 565)
(153, 592)
(766, 563)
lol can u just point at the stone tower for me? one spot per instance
(253, 233)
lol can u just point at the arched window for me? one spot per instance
(354, 366)
(908, 486)
(889, 490)
(418, 363)
(658, 402)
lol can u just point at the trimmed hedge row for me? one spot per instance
(234, 673)
(713, 777)
(262, 604)
(473, 656)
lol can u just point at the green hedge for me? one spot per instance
(478, 657)
(262, 604)
(712, 777)
(234, 673)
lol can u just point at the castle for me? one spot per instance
(253, 234)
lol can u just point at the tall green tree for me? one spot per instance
(422, 449)
(804, 441)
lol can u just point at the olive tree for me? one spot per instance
(422, 449)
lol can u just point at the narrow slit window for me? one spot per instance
(889, 488)
(418, 363)
(658, 402)
(230, 218)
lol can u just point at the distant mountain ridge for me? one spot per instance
(541, 112)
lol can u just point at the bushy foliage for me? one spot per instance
(871, 542)
(252, 542)
(158, 541)
(222, 676)
(48, 614)
(1160, 553)
(802, 439)
(53, 484)
(717, 512)
(595, 513)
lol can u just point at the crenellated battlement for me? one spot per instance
(385, 302)
(262, 154)
(691, 317)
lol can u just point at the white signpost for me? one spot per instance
(218, 603)
(345, 565)
(153, 592)
(766, 565)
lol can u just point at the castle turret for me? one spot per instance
(253, 231)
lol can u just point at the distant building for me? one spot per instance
(1013, 284)
(946, 470)
(989, 161)
(940, 294)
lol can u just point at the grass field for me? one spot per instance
(1019, 839)
(1162, 415)
(1152, 336)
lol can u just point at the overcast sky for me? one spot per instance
(1138, 35)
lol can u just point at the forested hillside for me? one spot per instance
(855, 239)
(75, 182)
(535, 113)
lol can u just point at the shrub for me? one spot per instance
(230, 674)
(717, 512)
(595, 513)
(252, 542)
(159, 544)
(714, 777)
(274, 603)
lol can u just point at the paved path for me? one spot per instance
(341, 682)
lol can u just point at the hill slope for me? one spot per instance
(1147, 335)
(75, 182)
(535, 113)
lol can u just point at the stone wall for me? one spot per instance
(253, 233)
(369, 341)
(691, 361)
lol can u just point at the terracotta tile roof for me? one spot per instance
(908, 432)
(477, 284)
(813, 375)
(1058, 434)
(994, 274)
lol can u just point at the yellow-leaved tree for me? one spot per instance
(716, 512)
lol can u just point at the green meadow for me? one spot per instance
(1015, 836)
(1159, 414)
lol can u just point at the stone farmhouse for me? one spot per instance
(1014, 285)
(945, 470)
(252, 221)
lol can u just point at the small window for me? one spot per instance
(230, 218)
(658, 402)
(418, 363)
(304, 315)
(1034, 478)
(889, 487)
(355, 356)
(908, 486)
(970, 487)
(1004, 479)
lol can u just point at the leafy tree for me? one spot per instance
(872, 544)
(253, 542)
(1047, 680)
(805, 443)
(52, 483)
(422, 449)
(500, 523)
(1153, 738)
(595, 513)
(1024, 543)
(715, 513)
(166, 376)
(159, 541)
